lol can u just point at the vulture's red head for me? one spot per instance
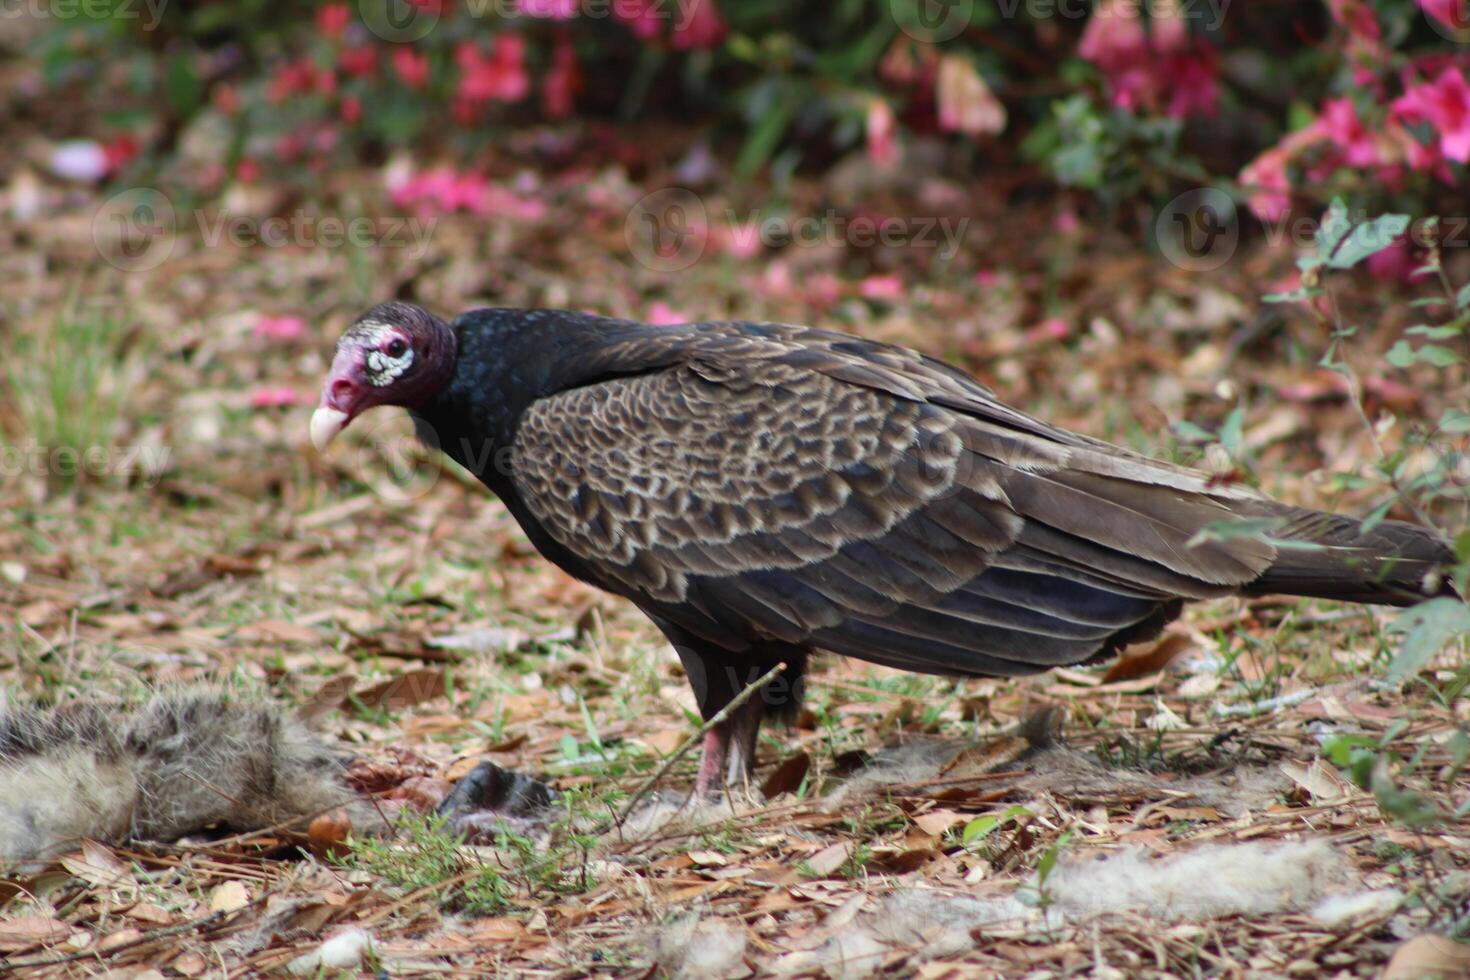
(395, 354)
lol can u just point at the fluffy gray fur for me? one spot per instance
(183, 761)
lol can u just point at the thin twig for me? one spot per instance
(679, 753)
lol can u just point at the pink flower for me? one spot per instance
(739, 239)
(699, 26)
(500, 78)
(351, 110)
(661, 314)
(965, 103)
(882, 133)
(274, 397)
(1445, 105)
(1451, 13)
(1113, 38)
(1357, 18)
(987, 278)
(563, 80)
(1339, 122)
(358, 62)
(549, 9)
(411, 67)
(1395, 263)
(279, 327)
(1160, 70)
(888, 288)
(333, 19)
(1190, 78)
(1265, 181)
(247, 171)
(1052, 328)
(643, 17)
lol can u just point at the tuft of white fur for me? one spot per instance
(690, 948)
(1340, 911)
(1208, 880)
(344, 951)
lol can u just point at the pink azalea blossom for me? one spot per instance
(1451, 13)
(643, 17)
(1339, 122)
(563, 80)
(882, 133)
(549, 9)
(699, 26)
(358, 62)
(500, 77)
(1445, 104)
(987, 278)
(1052, 328)
(823, 290)
(661, 314)
(888, 288)
(274, 397)
(1269, 188)
(1395, 263)
(332, 19)
(411, 67)
(279, 327)
(446, 191)
(1160, 70)
(739, 239)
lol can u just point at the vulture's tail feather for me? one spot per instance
(1393, 563)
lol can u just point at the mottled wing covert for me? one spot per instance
(789, 484)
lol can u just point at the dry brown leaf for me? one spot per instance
(830, 858)
(229, 897)
(1429, 957)
(1145, 662)
(787, 777)
(97, 865)
(936, 822)
(1319, 780)
(26, 931)
(152, 914)
(405, 690)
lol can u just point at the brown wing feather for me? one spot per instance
(792, 484)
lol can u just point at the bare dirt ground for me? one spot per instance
(1172, 814)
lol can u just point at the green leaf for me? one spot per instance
(1462, 298)
(1446, 332)
(1403, 805)
(1340, 750)
(1454, 421)
(1403, 355)
(978, 828)
(1427, 627)
(1335, 226)
(1295, 296)
(1049, 859)
(1367, 239)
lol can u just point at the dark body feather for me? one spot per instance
(762, 490)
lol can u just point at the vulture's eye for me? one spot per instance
(396, 347)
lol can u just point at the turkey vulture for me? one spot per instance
(762, 490)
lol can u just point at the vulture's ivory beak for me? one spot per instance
(325, 424)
